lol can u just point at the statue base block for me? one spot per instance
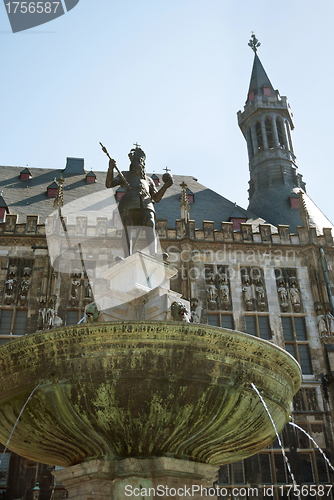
(151, 478)
(139, 289)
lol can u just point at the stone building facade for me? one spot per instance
(267, 271)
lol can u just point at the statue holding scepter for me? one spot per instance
(136, 206)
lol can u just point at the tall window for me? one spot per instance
(296, 341)
(13, 322)
(258, 326)
(280, 133)
(259, 137)
(269, 132)
(222, 320)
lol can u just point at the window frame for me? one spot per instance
(295, 342)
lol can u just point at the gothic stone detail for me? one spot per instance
(253, 289)
(18, 281)
(288, 290)
(325, 321)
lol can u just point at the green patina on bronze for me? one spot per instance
(138, 389)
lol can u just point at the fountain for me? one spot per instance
(120, 399)
(125, 404)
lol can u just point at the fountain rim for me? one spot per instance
(181, 327)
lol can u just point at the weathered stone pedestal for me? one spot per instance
(156, 478)
(138, 289)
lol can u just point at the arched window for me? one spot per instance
(287, 128)
(280, 133)
(269, 132)
(259, 136)
(250, 143)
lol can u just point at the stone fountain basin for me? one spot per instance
(138, 389)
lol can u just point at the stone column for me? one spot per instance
(249, 144)
(285, 136)
(276, 141)
(288, 131)
(152, 479)
(254, 139)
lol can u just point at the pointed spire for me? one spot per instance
(184, 205)
(59, 199)
(259, 82)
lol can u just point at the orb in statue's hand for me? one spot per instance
(167, 178)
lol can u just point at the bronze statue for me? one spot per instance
(136, 206)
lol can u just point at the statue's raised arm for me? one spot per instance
(136, 207)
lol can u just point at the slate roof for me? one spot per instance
(91, 174)
(29, 197)
(315, 216)
(238, 213)
(25, 171)
(53, 185)
(259, 78)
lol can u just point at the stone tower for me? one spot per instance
(266, 124)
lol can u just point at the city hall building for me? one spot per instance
(267, 270)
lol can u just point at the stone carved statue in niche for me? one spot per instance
(50, 317)
(74, 289)
(224, 291)
(41, 321)
(24, 287)
(88, 291)
(295, 298)
(283, 295)
(196, 310)
(9, 287)
(321, 321)
(322, 326)
(261, 297)
(211, 292)
(247, 292)
(330, 323)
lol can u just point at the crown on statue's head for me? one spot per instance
(136, 153)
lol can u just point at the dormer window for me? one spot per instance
(25, 174)
(119, 194)
(3, 208)
(236, 223)
(251, 96)
(266, 91)
(52, 190)
(295, 202)
(190, 196)
(90, 177)
(155, 179)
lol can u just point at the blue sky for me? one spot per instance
(172, 76)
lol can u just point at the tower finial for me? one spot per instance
(254, 43)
